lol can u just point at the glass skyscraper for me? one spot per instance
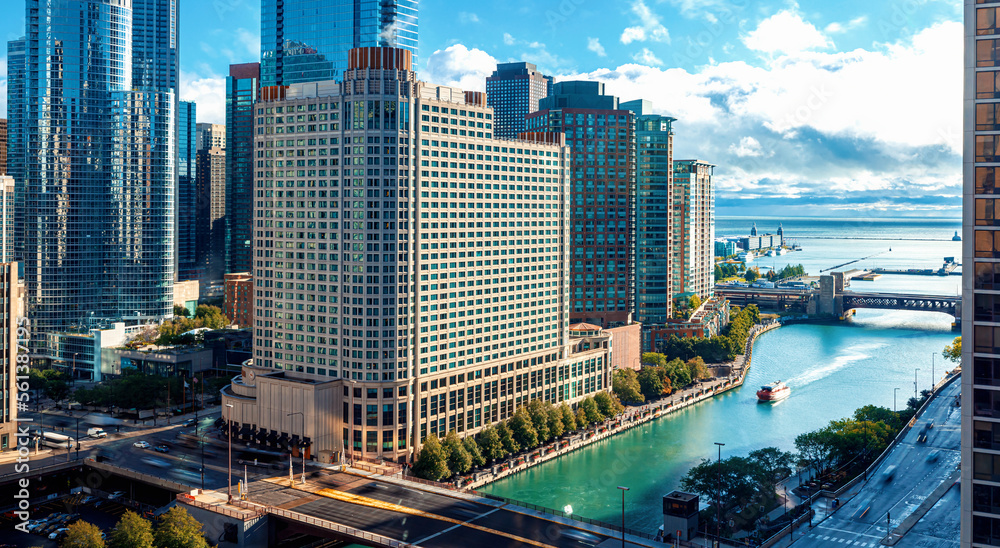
(187, 146)
(513, 90)
(16, 135)
(308, 40)
(99, 111)
(242, 86)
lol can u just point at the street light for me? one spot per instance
(933, 381)
(72, 377)
(301, 446)
(718, 493)
(623, 513)
(915, 383)
(229, 437)
(894, 399)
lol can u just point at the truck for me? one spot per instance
(97, 433)
(51, 439)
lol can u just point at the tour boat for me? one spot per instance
(746, 256)
(773, 392)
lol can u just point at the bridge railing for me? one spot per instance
(378, 540)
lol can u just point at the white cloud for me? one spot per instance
(819, 125)
(594, 45)
(650, 27)
(467, 17)
(647, 57)
(508, 39)
(840, 28)
(459, 66)
(209, 92)
(3, 87)
(786, 32)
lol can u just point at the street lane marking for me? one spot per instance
(373, 503)
(453, 527)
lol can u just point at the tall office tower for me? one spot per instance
(693, 249)
(410, 273)
(13, 297)
(513, 90)
(654, 289)
(242, 87)
(602, 136)
(99, 109)
(980, 517)
(8, 212)
(210, 136)
(3, 146)
(16, 135)
(187, 268)
(210, 214)
(308, 40)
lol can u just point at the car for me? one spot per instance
(184, 474)
(933, 455)
(141, 444)
(889, 473)
(159, 463)
(89, 499)
(190, 422)
(116, 495)
(161, 449)
(58, 533)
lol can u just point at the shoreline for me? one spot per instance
(630, 418)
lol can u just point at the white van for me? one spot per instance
(97, 433)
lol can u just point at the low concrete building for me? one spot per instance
(182, 361)
(709, 320)
(186, 295)
(628, 346)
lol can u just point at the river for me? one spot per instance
(832, 370)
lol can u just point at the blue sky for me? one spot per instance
(810, 108)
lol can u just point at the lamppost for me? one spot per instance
(301, 444)
(201, 443)
(894, 399)
(77, 438)
(718, 493)
(229, 437)
(915, 382)
(72, 377)
(933, 381)
(623, 513)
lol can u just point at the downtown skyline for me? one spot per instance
(806, 119)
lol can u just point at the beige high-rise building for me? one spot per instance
(693, 229)
(210, 136)
(210, 212)
(13, 304)
(410, 271)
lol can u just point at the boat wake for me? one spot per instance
(852, 354)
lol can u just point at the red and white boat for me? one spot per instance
(775, 391)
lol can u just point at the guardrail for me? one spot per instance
(378, 540)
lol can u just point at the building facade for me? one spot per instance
(3, 146)
(309, 41)
(239, 298)
(602, 173)
(693, 229)
(187, 195)
(8, 216)
(17, 137)
(99, 188)
(210, 136)
(980, 511)
(242, 88)
(13, 298)
(411, 273)
(655, 214)
(210, 214)
(514, 90)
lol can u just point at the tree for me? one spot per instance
(592, 414)
(458, 459)
(626, 386)
(773, 465)
(581, 417)
(432, 462)
(653, 358)
(731, 481)
(507, 438)
(490, 445)
(568, 418)
(83, 535)
(211, 316)
(608, 404)
(697, 368)
(523, 430)
(650, 383)
(539, 413)
(177, 529)
(132, 531)
(678, 373)
(694, 302)
(555, 424)
(873, 413)
(472, 448)
(57, 389)
(181, 311)
(953, 351)
(751, 276)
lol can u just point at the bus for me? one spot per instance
(51, 439)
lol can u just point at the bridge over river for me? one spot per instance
(831, 299)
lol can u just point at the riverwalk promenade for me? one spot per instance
(631, 417)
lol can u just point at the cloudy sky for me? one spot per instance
(808, 108)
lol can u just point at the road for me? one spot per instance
(920, 468)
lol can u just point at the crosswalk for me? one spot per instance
(828, 540)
